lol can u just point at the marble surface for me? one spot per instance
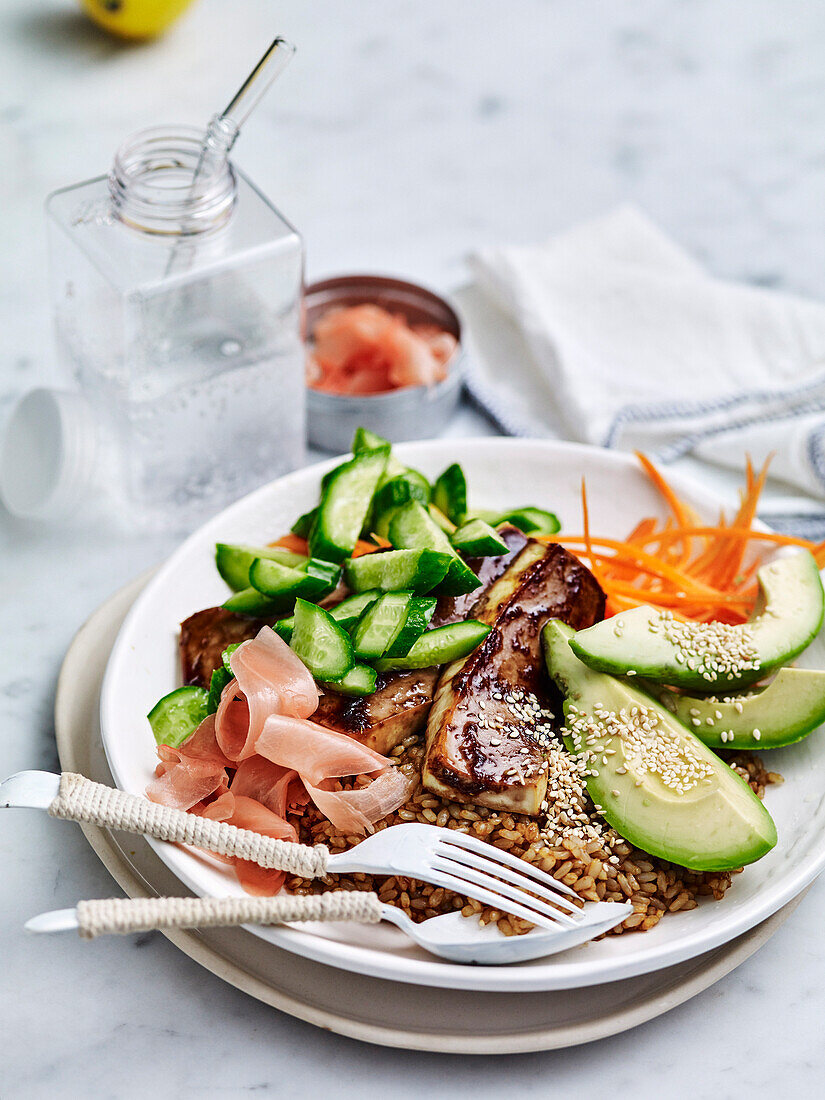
(405, 135)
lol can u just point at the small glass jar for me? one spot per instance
(177, 305)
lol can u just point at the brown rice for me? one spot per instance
(603, 869)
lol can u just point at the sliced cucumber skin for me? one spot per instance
(329, 573)
(400, 489)
(360, 680)
(478, 539)
(532, 521)
(416, 571)
(365, 440)
(303, 524)
(249, 601)
(352, 606)
(419, 613)
(346, 613)
(392, 495)
(319, 641)
(437, 647)
(277, 581)
(440, 520)
(227, 653)
(379, 625)
(234, 561)
(450, 493)
(176, 716)
(345, 505)
(413, 528)
(220, 678)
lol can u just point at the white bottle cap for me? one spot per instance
(50, 461)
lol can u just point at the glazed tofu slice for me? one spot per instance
(402, 701)
(205, 635)
(493, 710)
(398, 707)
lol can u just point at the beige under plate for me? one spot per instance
(377, 1011)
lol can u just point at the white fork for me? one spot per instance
(443, 857)
(450, 936)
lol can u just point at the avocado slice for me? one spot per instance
(787, 710)
(655, 782)
(653, 644)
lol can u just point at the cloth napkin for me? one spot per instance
(627, 342)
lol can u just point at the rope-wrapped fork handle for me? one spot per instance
(81, 799)
(120, 916)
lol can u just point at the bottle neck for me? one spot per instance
(173, 182)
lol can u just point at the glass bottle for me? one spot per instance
(178, 316)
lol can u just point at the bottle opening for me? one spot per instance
(173, 181)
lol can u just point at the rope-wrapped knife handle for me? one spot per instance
(80, 799)
(122, 915)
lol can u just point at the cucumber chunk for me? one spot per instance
(249, 601)
(233, 562)
(532, 521)
(346, 613)
(177, 715)
(437, 647)
(360, 680)
(446, 525)
(380, 625)
(450, 493)
(220, 678)
(419, 613)
(349, 611)
(478, 539)
(323, 646)
(365, 440)
(345, 505)
(327, 572)
(274, 580)
(227, 653)
(416, 571)
(392, 495)
(413, 528)
(493, 518)
(303, 524)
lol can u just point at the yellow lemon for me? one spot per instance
(134, 18)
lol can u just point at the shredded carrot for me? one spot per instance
(699, 571)
(363, 547)
(300, 546)
(588, 544)
(294, 543)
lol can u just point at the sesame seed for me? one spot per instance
(714, 650)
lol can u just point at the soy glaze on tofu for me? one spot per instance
(492, 709)
(401, 702)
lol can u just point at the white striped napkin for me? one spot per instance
(617, 337)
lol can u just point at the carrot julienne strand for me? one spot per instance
(696, 569)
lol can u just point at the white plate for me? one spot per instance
(500, 472)
(411, 1017)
